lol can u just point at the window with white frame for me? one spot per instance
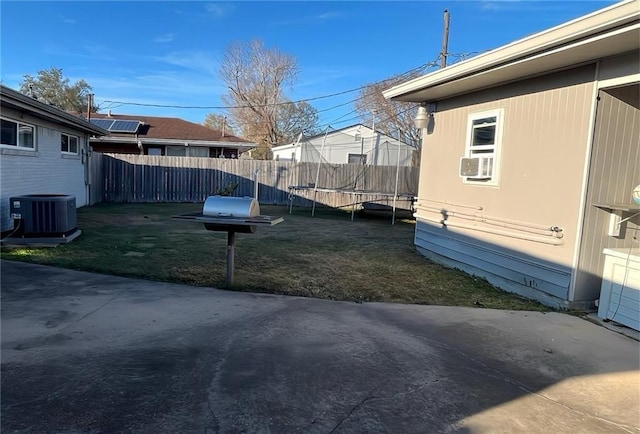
(68, 144)
(18, 134)
(357, 159)
(484, 136)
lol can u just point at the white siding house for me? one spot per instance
(355, 145)
(43, 150)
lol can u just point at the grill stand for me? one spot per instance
(231, 241)
(230, 225)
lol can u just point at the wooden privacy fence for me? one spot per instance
(96, 178)
(146, 178)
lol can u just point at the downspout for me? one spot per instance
(85, 160)
(139, 143)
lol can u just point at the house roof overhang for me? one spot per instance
(173, 142)
(284, 147)
(604, 33)
(18, 101)
(328, 133)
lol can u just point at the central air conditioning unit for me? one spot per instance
(476, 168)
(40, 215)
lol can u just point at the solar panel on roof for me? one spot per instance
(124, 126)
(102, 123)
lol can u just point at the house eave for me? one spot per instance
(608, 32)
(18, 101)
(366, 129)
(173, 142)
(284, 147)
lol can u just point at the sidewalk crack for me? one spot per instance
(369, 399)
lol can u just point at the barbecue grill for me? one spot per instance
(231, 215)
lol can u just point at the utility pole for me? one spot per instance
(89, 105)
(445, 40)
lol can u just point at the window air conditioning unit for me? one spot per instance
(50, 215)
(476, 168)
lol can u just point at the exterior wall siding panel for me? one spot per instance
(490, 261)
(545, 131)
(44, 171)
(614, 172)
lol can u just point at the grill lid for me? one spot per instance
(227, 206)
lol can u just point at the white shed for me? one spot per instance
(357, 144)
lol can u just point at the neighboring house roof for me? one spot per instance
(164, 130)
(340, 130)
(606, 32)
(14, 99)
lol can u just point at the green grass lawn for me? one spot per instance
(327, 256)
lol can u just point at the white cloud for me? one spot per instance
(522, 6)
(323, 17)
(168, 37)
(87, 51)
(193, 60)
(66, 19)
(158, 88)
(489, 6)
(330, 15)
(312, 76)
(219, 10)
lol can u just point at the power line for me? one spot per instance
(337, 106)
(354, 118)
(328, 124)
(138, 104)
(431, 64)
(346, 114)
(114, 104)
(381, 121)
(398, 77)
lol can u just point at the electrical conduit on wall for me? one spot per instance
(525, 231)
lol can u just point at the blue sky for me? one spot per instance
(167, 53)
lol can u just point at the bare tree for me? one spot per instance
(52, 87)
(295, 118)
(256, 77)
(219, 123)
(390, 117)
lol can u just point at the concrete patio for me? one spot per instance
(89, 353)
